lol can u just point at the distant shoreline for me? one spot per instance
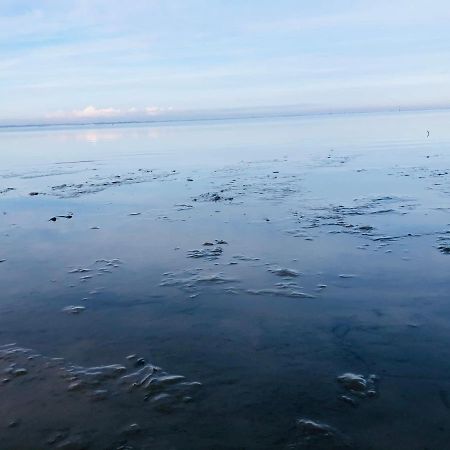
(243, 116)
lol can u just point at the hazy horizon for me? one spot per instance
(216, 115)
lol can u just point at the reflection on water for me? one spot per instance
(257, 284)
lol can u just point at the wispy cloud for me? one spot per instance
(359, 14)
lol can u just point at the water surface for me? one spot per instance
(259, 260)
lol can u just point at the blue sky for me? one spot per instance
(82, 60)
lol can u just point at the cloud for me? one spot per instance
(92, 112)
(363, 13)
(155, 110)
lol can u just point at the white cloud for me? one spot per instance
(90, 112)
(155, 110)
(93, 112)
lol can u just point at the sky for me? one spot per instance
(111, 60)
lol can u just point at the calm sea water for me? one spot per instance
(327, 254)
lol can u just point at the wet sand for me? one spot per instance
(258, 284)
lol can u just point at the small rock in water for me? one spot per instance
(284, 272)
(353, 382)
(212, 197)
(445, 249)
(317, 435)
(212, 253)
(8, 189)
(33, 193)
(311, 428)
(74, 309)
(358, 385)
(54, 218)
(13, 423)
(80, 270)
(132, 429)
(140, 362)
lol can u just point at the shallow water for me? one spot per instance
(253, 284)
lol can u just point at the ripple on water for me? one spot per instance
(97, 184)
(289, 290)
(73, 309)
(314, 435)
(207, 253)
(284, 272)
(194, 280)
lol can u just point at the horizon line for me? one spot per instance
(242, 116)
